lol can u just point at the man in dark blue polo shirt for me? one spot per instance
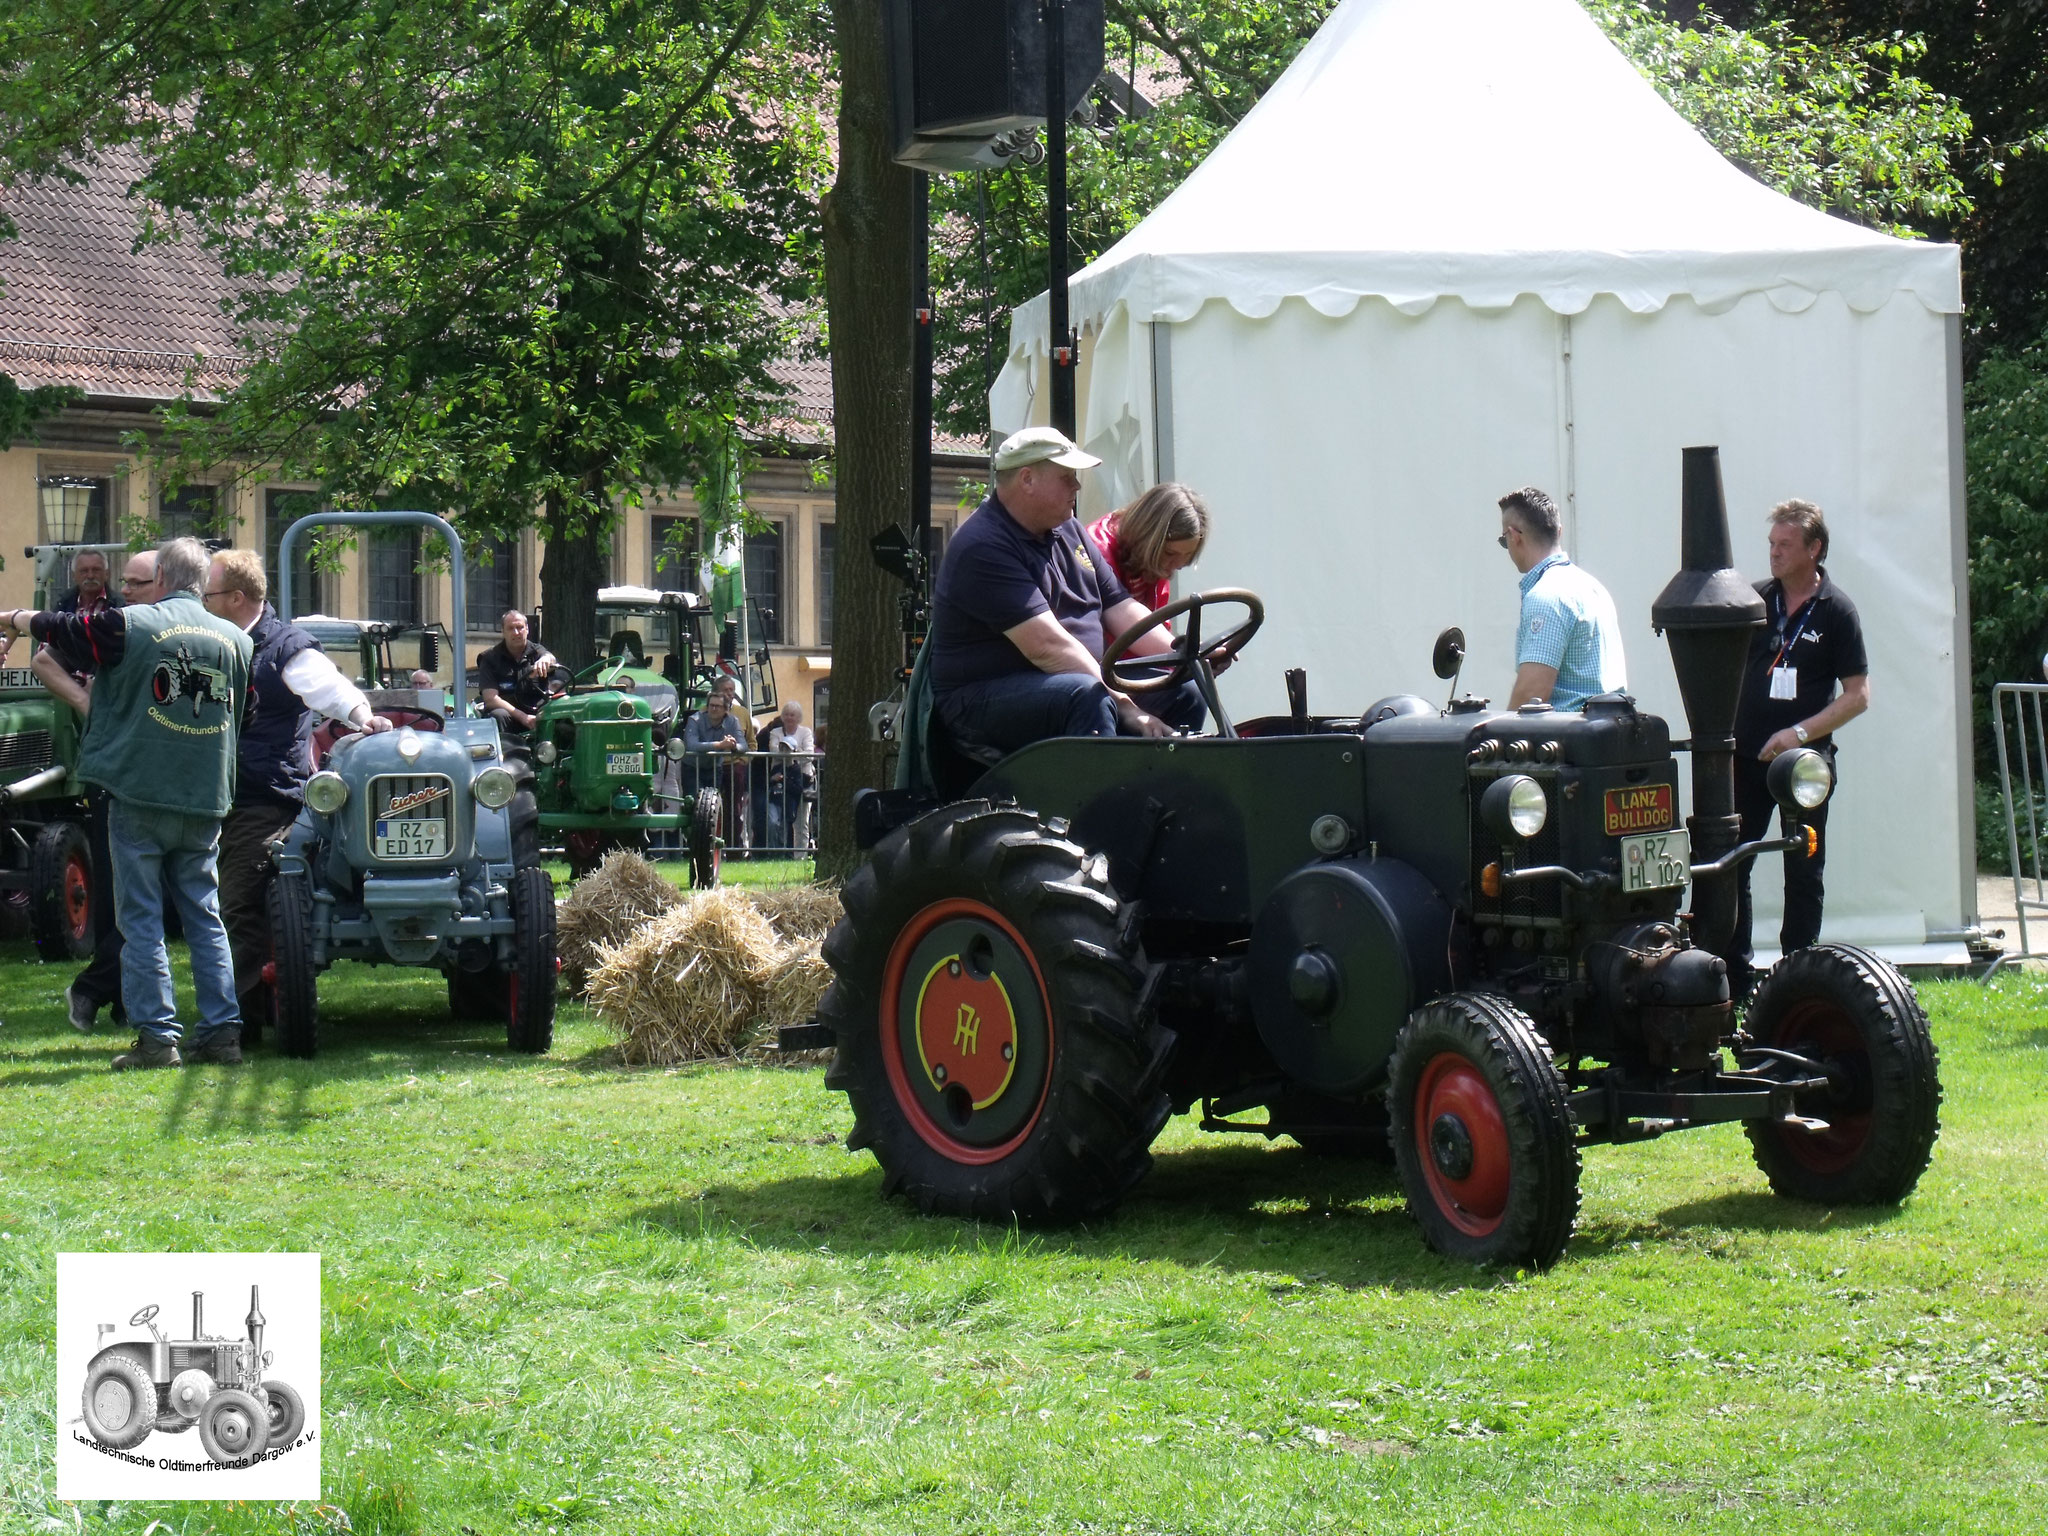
(1022, 613)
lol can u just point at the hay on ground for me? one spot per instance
(607, 908)
(690, 983)
(789, 995)
(802, 914)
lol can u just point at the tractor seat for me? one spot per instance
(402, 717)
(956, 759)
(628, 643)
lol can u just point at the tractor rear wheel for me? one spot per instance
(119, 1401)
(294, 995)
(234, 1426)
(60, 892)
(707, 848)
(287, 1412)
(993, 1033)
(1856, 1015)
(530, 987)
(1483, 1133)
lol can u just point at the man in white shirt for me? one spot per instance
(293, 680)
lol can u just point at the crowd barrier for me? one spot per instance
(768, 801)
(2028, 752)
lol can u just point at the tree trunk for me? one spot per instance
(573, 566)
(868, 298)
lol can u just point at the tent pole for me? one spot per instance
(1062, 339)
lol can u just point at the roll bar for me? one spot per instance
(460, 617)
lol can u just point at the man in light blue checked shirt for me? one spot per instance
(1568, 645)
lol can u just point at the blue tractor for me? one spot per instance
(417, 846)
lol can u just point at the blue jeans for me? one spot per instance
(155, 852)
(1011, 712)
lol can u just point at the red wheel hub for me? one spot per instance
(1462, 1141)
(1821, 1030)
(966, 1031)
(78, 896)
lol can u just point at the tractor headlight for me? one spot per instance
(493, 788)
(1800, 780)
(326, 793)
(544, 753)
(676, 748)
(1514, 807)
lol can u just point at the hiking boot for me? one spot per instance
(83, 1010)
(148, 1053)
(224, 1050)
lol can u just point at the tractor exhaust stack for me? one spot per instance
(1706, 614)
(199, 1314)
(255, 1324)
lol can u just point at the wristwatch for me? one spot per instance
(1800, 732)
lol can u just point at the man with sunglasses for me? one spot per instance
(1568, 643)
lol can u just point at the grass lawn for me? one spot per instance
(565, 1297)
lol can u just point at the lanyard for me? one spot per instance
(1805, 614)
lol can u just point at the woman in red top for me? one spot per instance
(1147, 541)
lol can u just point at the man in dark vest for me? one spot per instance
(293, 680)
(168, 702)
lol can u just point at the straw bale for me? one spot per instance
(801, 913)
(607, 907)
(690, 983)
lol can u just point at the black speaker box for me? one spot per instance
(963, 73)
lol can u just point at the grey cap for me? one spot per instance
(1041, 445)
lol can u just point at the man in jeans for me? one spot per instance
(168, 703)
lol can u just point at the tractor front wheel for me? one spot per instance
(287, 1411)
(120, 1402)
(1483, 1133)
(60, 892)
(234, 1426)
(294, 995)
(988, 1004)
(530, 988)
(707, 847)
(1854, 1015)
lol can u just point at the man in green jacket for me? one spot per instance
(169, 697)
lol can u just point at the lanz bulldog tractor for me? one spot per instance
(217, 1384)
(417, 846)
(1460, 932)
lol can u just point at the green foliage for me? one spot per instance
(495, 259)
(2005, 433)
(21, 409)
(1844, 126)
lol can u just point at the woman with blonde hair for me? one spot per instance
(1148, 540)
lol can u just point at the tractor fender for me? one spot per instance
(142, 1354)
(1341, 953)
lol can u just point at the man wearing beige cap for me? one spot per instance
(1022, 613)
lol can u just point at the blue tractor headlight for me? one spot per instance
(493, 788)
(326, 793)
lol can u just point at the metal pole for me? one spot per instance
(1062, 338)
(921, 389)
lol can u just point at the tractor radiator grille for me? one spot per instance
(25, 749)
(420, 800)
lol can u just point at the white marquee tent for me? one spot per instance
(1463, 246)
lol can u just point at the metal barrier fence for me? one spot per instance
(768, 802)
(2031, 753)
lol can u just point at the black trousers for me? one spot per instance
(101, 980)
(245, 876)
(1804, 890)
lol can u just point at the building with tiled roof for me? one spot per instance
(80, 306)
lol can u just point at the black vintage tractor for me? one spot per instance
(1456, 935)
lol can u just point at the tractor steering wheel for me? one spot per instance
(1143, 674)
(143, 1316)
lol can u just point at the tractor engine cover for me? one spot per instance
(1340, 954)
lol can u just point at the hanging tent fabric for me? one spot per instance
(1462, 246)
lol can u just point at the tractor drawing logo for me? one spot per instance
(181, 677)
(212, 1383)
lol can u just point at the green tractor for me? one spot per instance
(609, 767)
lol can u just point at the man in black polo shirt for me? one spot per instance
(1022, 613)
(513, 675)
(1812, 640)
